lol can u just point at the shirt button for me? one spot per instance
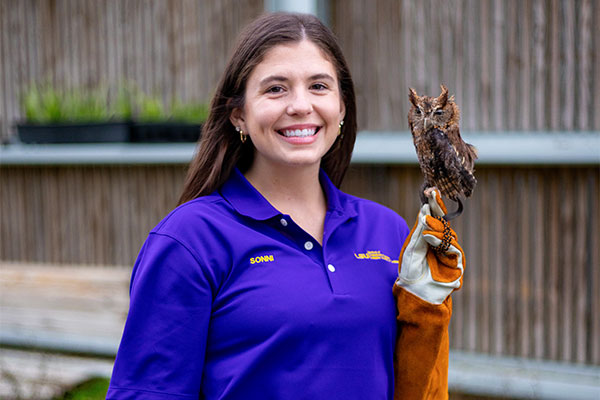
(331, 268)
(308, 245)
(283, 221)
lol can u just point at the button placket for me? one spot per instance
(335, 272)
(311, 248)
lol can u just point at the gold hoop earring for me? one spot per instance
(340, 134)
(242, 136)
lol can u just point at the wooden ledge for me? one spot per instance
(372, 147)
(78, 309)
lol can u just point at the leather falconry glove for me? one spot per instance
(431, 268)
(431, 261)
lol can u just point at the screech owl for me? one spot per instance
(446, 161)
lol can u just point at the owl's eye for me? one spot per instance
(417, 111)
(438, 112)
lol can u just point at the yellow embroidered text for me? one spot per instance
(262, 259)
(374, 255)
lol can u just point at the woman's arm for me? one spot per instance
(162, 350)
(431, 267)
(421, 358)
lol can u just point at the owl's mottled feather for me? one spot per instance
(447, 162)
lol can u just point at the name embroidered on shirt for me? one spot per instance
(262, 259)
(374, 255)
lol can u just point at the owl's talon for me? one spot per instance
(428, 192)
(456, 213)
(423, 193)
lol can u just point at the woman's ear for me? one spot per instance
(342, 110)
(237, 118)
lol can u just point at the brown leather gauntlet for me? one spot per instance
(430, 269)
(421, 357)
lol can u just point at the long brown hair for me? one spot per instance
(220, 148)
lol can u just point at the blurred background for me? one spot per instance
(75, 208)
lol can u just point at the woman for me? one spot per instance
(267, 282)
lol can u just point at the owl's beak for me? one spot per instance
(426, 123)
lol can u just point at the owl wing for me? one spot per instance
(442, 167)
(466, 152)
(446, 161)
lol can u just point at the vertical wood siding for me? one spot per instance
(175, 48)
(531, 235)
(532, 240)
(83, 214)
(512, 64)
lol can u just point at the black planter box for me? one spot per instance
(165, 132)
(74, 133)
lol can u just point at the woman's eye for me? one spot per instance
(318, 86)
(275, 89)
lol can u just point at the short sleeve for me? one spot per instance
(162, 350)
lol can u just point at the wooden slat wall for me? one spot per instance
(512, 64)
(175, 48)
(83, 214)
(532, 237)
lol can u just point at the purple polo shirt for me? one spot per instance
(230, 299)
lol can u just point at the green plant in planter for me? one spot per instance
(155, 122)
(71, 115)
(192, 113)
(43, 105)
(92, 106)
(74, 115)
(46, 104)
(123, 105)
(150, 109)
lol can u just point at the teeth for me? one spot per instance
(299, 132)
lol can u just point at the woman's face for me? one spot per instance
(293, 106)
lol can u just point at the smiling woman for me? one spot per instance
(221, 149)
(251, 289)
(293, 109)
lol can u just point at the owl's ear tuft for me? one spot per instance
(443, 98)
(413, 97)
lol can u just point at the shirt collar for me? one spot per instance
(248, 201)
(331, 192)
(245, 198)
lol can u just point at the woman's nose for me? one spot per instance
(300, 103)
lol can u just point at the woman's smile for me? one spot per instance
(302, 134)
(299, 131)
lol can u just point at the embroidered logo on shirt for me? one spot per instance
(374, 255)
(262, 259)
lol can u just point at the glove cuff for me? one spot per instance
(421, 356)
(414, 310)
